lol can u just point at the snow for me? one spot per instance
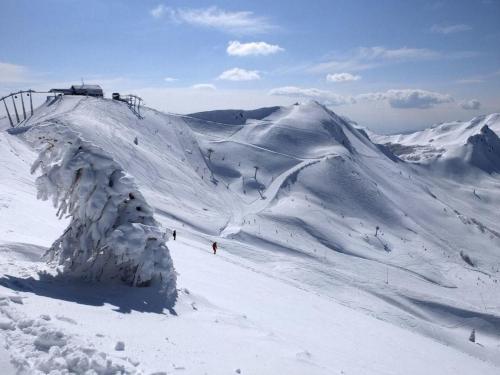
(234, 116)
(112, 233)
(5, 364)
(301, 284)
(438, 141)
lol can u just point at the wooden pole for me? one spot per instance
(22, 102)
(15, 108)
(8, 113)
(31, 101)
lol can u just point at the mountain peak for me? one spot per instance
(485, 136)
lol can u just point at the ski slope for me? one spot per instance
(303, 283)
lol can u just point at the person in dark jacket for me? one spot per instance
(174, 234)
(214, 247)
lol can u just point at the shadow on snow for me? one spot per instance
(126, 299)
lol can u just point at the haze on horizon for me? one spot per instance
(392, 66)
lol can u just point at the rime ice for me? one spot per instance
(112, 234)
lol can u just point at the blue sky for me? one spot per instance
(389, 65)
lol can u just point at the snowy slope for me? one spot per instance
(440, 141)
(304, 282)
(234, 116)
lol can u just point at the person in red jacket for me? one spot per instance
(214, 247)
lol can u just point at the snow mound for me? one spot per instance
(234, 116)
(305, 130)
(112, 234)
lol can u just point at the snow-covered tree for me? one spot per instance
(112, 234)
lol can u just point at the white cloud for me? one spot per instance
(238, 74)
(236, 48)
(170, 79)
(450, 29)
(364, 58)
(408, 98)
(405, 53)
(12, 73)
(342, 77)
(325, 96)
(467, 81)
(159, 11)
(370, 57)
(239, 22)
(204, 86)
(472, 104)
(479, 78)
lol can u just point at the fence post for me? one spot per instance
(22, 102)
(15, 108)
(31, 101)
(8, 113)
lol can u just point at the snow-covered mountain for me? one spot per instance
(474, 142)
(336, 254)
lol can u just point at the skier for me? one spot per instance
(174, 234)
(214, 247)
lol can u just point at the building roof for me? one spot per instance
(86, 87)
